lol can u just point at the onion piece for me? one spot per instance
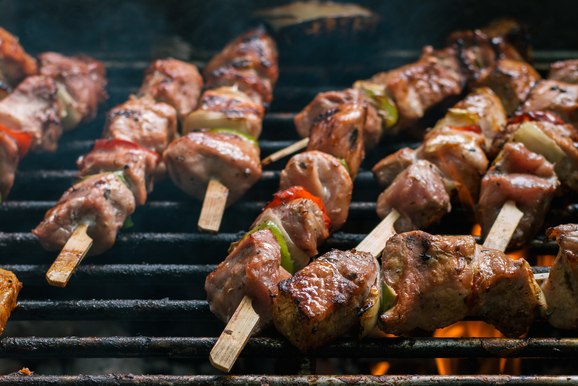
(202, 119)
(538, 142)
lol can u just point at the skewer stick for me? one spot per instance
(71, 255)
(238, 331)
(213, 207)
(294, 148)
(504, 226)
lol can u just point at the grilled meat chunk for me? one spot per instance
(322, 301)
(388, 168)
(565, 71)
(173, 82)
(102, 201)
(193, 160)
(524, 177)
(439, 280)
(81, 83)
(253, 268)
(341, 135)
(227, 107)
(15, 63)
(144, 121)
(33, 107)
(560, 289)
(137, 164)
(323, 176)
(10, 286)
(9, 160)
(554, 96)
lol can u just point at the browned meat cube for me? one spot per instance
(33, 107)
(144, 121)
(388, 168)
(253, 268)
(555, 96)
(102, 201)
(173, 82)
(196, 158)
(9, 160)
(341, 135)
(524, 177)
(15, 63)
(247, 81)
(227, 107)
(81, 83)
(564, 71)
(419, 195)
(322, 301)
(560, 289)
(137, 164)
(10, 286)
(323, 176)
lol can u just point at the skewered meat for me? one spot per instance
(15, 64)
(81, 83)
(435, 281)
(321, 302)
(173, 82)
(198, 157)
(9, 160)
(560, 289)
(389, 167)
(10, 286)
(565, 71)
(555, 96)
(419, 195)
(524, 177)
(323, 176)
(512, 33)
(102, 201)
(33, 107)
(253, 268)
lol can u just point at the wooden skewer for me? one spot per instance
(238, 331)
(71, 255)
(213, 207)
(294, 148)
(504, 226)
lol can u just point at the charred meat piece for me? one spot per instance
(561, 290)
(9, 160)
(555, 96)
(388, 168)
(175, 83)
(227, 107)
(137, 164)
(102, 201)
(33, 107)
(419, 195)
(512, 33)
(15, 63)
(341, 135)
(323, 176)
(322, 301)
(193, 160)
(524, 177)
(438, 280)
(81, 83)
(10, 286)
(253, 268)
(144, 121)
(565, 71)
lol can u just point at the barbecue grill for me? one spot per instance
(140, 309)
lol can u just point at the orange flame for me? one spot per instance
(476, 230)
(519, 254)
(379, 368)
(545, 260)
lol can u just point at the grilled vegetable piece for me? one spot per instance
(175, 83)
(9, 160)
(15, 63)
(554, 96)
(10, 286)
(560, 289)
(253, 268)
(565, 71)
(323, 176)
(33, 107)
(526, 178)
(322, 301)
(81, 83)
(198, 157)
(103, 202)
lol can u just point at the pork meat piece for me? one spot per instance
(419, 195)
(102, 201)
(175, 83)
(253, 269)
(323, 176)
(227, 107)
(193, 160)
(10, 287)
(526, 178)
(322, 301)
(81, 82)
(9, 160)
(15, 63)
(565, 71)
(510, 32)
(561, 288)
(388, 168)
(555, 96)
(33, 107)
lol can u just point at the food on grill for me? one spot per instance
(554, 96)
(560, 288)
(10, 158)
(9, 288)
(434, 281)
(15, 63)
(564, 71)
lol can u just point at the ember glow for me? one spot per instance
(545, 260)
(379, 368)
